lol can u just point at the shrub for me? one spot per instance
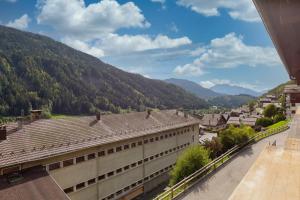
(235, 135)
(214, 146)
(264, 122)
(270, 111)
(192, 159)
(279, 117)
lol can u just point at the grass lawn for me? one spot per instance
(278, 124)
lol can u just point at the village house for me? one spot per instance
(213, 121)
(237, 121)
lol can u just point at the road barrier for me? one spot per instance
(192, 179)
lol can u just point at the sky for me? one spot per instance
(206, 41)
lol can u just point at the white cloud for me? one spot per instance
(174, 28)
(162, 2)
(213, 82)
(158, 1)
(229, 52)
(20, 23)
(92, 28)
(76, 19)
(82, 46)
(241, 9)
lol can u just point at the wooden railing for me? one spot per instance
(189, 181)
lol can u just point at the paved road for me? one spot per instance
(220, 185)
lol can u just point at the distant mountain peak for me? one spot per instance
(234, 90)
(194, 88)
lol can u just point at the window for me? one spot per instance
(67, 163)
(166, 152)
(156, 138)
(146, 178)
(133, 184)
(80, 159)
(161, 137)
(127, 188)
(101, 177)
(133, 145)
(119, 149)
(146, 160)
(145, 141)
(161, 154)
(140, 181)
(80, 186)
(54, 166)
(140, 162)
(140, 143)
(193, 138)
(152, 157)
(68, 190)
(133, 165)
(111, 196)
(101, 153)
(119, 192)
(119, 170)
(152, 140)
(170, 135)
(151, 176)
(91, 181)
(157, 155)
(110, 151)
(126, 167)
(91, 156)
(166, 136)
(174, 148)
(174, 134)
(110, 174)
(126, 146)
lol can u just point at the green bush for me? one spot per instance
(235, 135)
(279, 117)
(214, 146)
(270, 111)
(264, 122)
(192, 159)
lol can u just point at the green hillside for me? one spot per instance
(36, 71)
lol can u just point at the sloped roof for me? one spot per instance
(211, 119)
(44, 138)
(35, 185)
(250, 121)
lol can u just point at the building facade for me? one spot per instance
(292, 99)
(135, 153)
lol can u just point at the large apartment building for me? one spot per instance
(115, 156)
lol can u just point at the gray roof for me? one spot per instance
(211, 119)
(250, 121)
(50, 137)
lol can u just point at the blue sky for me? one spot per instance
(206, 41)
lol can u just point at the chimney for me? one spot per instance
(98, 116)
(185, 114)
(3, 132)
(148, 113)
(20, 122)
(36, 114)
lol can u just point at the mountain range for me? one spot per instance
(194, 88)
(37, 71)
(234, 90)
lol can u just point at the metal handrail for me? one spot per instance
(228, 154)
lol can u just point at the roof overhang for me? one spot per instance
(282, 20)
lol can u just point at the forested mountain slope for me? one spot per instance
(36, 71)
